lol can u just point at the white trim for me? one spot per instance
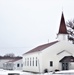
(64, 51)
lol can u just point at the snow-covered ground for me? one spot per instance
(67, 72)
(6, 72)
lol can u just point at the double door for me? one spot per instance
(65, 66)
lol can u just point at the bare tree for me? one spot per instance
(70, 29)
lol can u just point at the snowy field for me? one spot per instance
(7, 72)
(65, 72)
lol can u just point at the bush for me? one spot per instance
(45, 70)
(56, 70)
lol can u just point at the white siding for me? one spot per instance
(16, 67)
(63, 37)
(50, 54)
(3, 61)
(31, 67)
(71, 65)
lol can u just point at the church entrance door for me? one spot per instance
(65, 66)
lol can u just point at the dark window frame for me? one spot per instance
(51, 63)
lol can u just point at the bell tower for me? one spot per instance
(62, 33)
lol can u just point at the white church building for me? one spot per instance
(56, 55)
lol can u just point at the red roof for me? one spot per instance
(41, 47)
(62, 28)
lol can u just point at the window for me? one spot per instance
(25, 61)
(30, 61)
(51, 63)
(33, 61)
(18, 65)
(21, 65)
(36, 61)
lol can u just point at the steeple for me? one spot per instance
(62, 28)
(62, 34)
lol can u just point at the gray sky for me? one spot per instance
(25, 24)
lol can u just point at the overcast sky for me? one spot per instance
(25, 24)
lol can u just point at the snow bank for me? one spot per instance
(65, 72)
(5, 72)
